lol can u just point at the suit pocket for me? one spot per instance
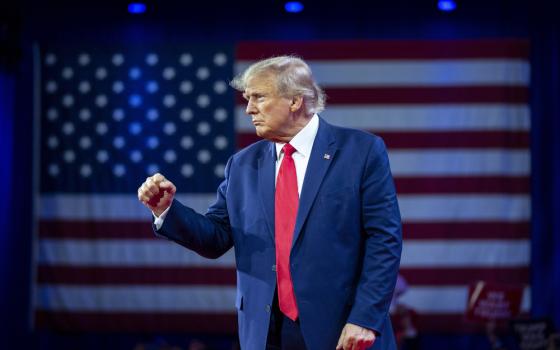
(239, 302)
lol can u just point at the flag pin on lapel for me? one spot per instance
(327, 156)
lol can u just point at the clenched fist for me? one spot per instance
(354, 337)
(157, 193)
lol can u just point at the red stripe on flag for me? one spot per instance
(435, 139)
(79, 275)
(225, 324)
(411, 230)
(387, 49)
(138, 321)
(453, 323)
(464, 276)
(421, 95)
(428, 95)
(75, 275)
(480, 184)
(466, 230)
(244, 139)
(90, 229)
(456, 139)
(448, 323)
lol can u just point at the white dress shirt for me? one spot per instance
(302, 142)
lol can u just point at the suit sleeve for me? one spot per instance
(381, 227)
(209, 235)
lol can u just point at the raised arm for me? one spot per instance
(208, 235)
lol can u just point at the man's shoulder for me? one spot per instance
(345, 135)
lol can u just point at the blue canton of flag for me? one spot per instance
(110, 118)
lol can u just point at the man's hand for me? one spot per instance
(157, 193)
(354, 337)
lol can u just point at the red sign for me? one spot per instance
(493, 302)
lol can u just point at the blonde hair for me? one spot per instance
(293, 78)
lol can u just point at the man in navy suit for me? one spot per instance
(312, 214)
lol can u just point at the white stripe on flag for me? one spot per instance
(441, 300)
(110, 207)
(416, 72)
(465, 253)
(464, 207)
(171, 299)
(378, 118)
(125, 253)
(413, 207)
(158, 253)
(464, 161)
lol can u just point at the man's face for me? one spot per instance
(269, 112)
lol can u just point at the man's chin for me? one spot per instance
(260, 132)
(266, 134)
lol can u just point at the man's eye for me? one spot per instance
(257, 98)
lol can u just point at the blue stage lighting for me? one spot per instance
(136, 8)
(293, 6)
(447, 5)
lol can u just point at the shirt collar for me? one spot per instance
(303, 141)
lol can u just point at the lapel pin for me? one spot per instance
(327, 156)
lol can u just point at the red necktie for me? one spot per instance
(285, 211)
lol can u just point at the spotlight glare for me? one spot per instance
(293, 6)
(447, 5)
(136, 7)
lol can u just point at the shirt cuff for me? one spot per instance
(158, 220)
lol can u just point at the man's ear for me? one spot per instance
(297, 103)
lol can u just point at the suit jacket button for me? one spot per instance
(274, 267)
(267, 308)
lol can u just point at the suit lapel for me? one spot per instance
(266, 186)
(322, 155)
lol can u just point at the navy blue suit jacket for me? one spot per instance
(347, 241)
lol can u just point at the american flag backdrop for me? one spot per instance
(454, 116)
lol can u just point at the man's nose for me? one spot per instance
(251, 109)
